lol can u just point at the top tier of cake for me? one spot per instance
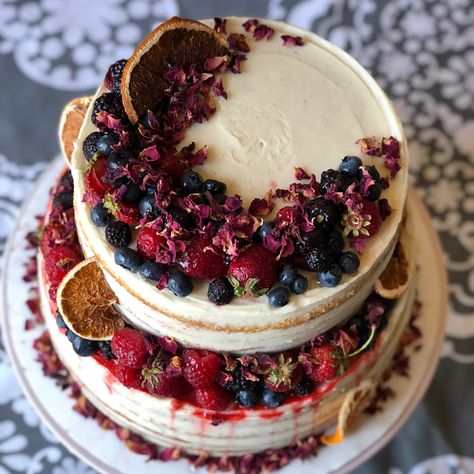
(290, 107)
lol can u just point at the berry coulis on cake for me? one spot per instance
(227, 259)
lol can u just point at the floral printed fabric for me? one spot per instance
(420, 51)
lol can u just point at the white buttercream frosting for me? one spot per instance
(291, 106)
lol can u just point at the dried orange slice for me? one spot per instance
(86, 302)
(356, 400)
(393, 281)
(176, 42)
(70, 124)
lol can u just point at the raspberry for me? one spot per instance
(54, 234)
(108, 102)
(220, 291)
(148, 241)
(258, 263)
(213, 397)
(58, 262)
(200, 368)
(168, 386)
(202, 260)
(130, 347)
(118, 234)
(129, 376)
(128, 213)
(114, 76)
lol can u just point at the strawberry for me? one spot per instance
(371, 209)
(328, 363)
(285, 375)
(129, 376)
(254, 269)
(93, 179)
(202, 260)
(130, 347)
(200, 367)
(148, 241)
(58, 262)
(213, 397)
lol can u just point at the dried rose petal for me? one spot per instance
(262, 207)
(292, 40)
(220, 25)
(250, 25)
(369, 146)
(263, 32)
(301, 174)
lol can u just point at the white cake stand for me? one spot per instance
(102, 449)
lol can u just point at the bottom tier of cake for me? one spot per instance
(169, 422)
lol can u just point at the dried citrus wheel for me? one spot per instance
(356, 400)
(393, 281)
(87, 303)
(176, 42)
(71, 121)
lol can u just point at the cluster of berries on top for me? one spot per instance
(141, 187)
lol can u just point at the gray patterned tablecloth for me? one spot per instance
(420, 51)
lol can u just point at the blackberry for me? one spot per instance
(67, 180)
(114, 75)
(323, 213)
(374, 192)
(303, 388)
(63, 201)
(118, 234)
(341, 181)
(239, 382)
(220, 291)
(319, 259)
(106, 350)
(89, 145)
(311, 240)
(108, 102)
(183, 218)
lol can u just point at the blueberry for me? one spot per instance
(148, 206)
(265, 229)
(104, 144)
(220, 198)
(214, 187)
(133, 194)
(374, 192)
(279, 296)
(349, 262)
(151, 270)
(179, 283)
(191, 182)
(350, 165)
(287, 274)
(100, 215)
(63, 201)
(85, 347)
(247, 398)
(127, 258)
(336, 241)
(60, 321)
(331, 277)
(71, 336)
(272, 399)
(299, 285)
(106, 350)
(303, 388)
(183, 218)
(115, 160)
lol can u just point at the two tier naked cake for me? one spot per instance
(225, 268)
